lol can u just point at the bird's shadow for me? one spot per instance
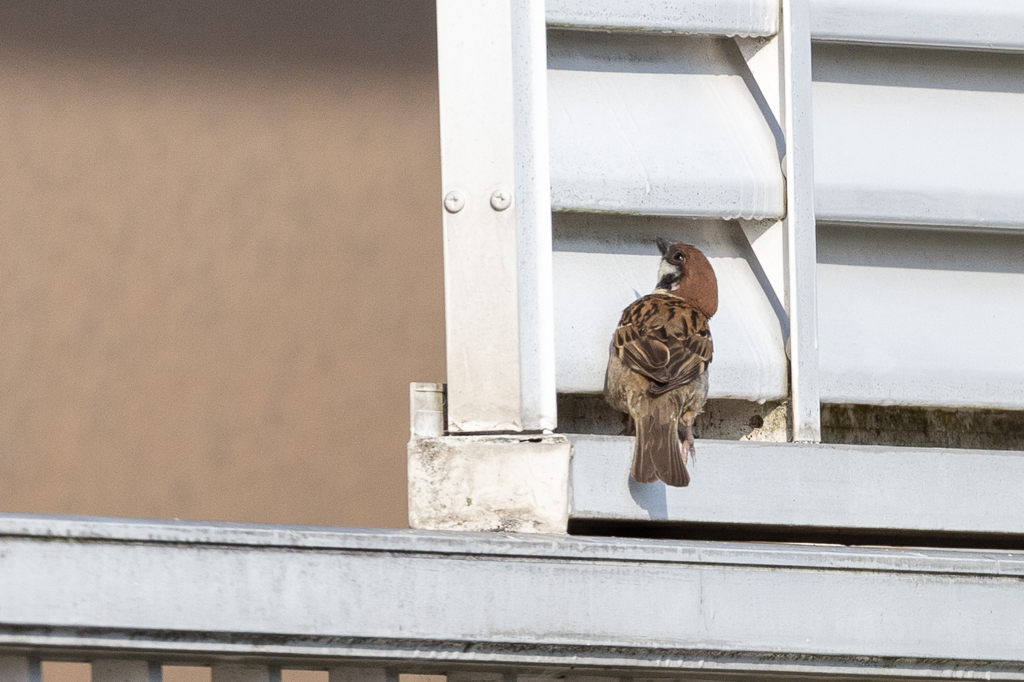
(650, 497)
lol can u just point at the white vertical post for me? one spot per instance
(344, 674)
(20, 669)
(474, 54)
(126, 671)
(496, 215)
(801, 240)
(533, 217)
(426, 409)
(237, 672)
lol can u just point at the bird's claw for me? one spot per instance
(689, 453)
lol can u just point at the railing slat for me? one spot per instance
(474, 676)
(20, 669)
(346, 674)
(235, 672)
(126, 671)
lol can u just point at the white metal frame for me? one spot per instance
(588, 178)
(608, 62)
(497, 222)
(801, 241)
(493, 84)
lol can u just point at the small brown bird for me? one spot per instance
(657, 369)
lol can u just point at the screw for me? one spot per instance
(501, 199)
(454, 201)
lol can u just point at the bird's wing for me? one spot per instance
(664, 339)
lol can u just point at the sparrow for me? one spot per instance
(657, 367)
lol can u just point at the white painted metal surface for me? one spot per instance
(533, 216)
(914, 317)
(477, 159)
(851, 487)
(709, 17)
(919, 137)
(975, 25)
(658, 125)
(497, 264)
(604, 263)
(922, 138)
(444, 602)
(800, 244)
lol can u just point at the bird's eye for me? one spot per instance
(678, 257)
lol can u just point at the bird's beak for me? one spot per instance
(663, 246)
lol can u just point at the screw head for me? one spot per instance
(501, 199)
(454, 201)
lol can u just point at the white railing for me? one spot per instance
(251, 600)
(29, 669)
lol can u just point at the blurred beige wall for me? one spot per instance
(220, 262)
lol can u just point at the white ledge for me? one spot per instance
(789, 485)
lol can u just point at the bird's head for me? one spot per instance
(686, 273)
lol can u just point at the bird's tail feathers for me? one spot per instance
(658, 453)
(643, 463)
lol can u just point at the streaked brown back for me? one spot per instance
(665, 339)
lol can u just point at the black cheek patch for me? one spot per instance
(669, 281)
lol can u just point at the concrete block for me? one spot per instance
(490, 483)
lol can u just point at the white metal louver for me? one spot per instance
(658, 124)
(668, 134)
(919, 200)
(912, 317)
(603, 263)
(862, 202)
(906, 136)
(918, 137)
(919, 197)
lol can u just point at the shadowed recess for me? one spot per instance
(320, 34)
(914, 67)
(733, 532)
(920, 249)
